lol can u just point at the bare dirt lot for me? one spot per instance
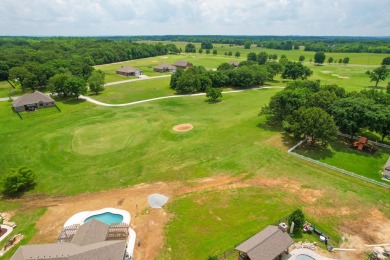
(149, 223)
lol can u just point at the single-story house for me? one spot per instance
(234, 63)
(89, 241)
(386, 170)
(182, 64)
(32, 101)
(163, 67)
(129, 71)
(268, 244)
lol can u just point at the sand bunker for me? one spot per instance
(340, 77)
(326, 71)
(182, 127)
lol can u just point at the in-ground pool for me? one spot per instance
(304, 257)
(107, 217)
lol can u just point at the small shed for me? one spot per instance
(386, 170)
(32, 101)
(129, 71)
(182, 64)
(163, 67)
(268, 244)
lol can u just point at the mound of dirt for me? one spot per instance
(182, 127)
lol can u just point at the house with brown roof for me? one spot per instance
(90, 241)
(163, 67)
(129, 71)
(32, 101)
(234, 63)
(182, 64)
(268, 244)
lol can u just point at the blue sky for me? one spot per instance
(217, 17)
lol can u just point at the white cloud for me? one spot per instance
(253, 17)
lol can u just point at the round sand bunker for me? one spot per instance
(182, 127)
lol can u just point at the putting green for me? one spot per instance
(108, 137)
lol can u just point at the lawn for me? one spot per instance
(135, 91)
(214, 222)
(340, 154)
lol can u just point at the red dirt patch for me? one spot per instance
(183, 127)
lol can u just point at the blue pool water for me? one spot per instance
(304, 257)
(107, 218)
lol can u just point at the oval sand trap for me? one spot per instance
(182, 127)
(109, 137)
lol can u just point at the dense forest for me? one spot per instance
(33, 61)
(310, 43)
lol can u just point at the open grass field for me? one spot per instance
(88, 148)
(341, 155)
(135, 91)
(293, 55)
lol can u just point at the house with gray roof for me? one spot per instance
(32, 101)
(163, 67)
(268, 244)
(129, 71)
(89, 242)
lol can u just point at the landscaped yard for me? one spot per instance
(340, 154)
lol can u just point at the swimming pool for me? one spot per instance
(304, 257)
(106, 217)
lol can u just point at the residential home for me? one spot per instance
(32, 101)
(268, 244)
(163, 67)
(182, 64)
(129, 71)
(89, 241)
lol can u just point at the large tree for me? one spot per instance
(252, 56)
(262, 58)
(190, 48)
(206, 45)
(3, 70)
(312, 123)
(188, 83)
(213, 94)
(96, 81)
(378, 74)
(319, 57)
(386, 61)
(247, 45)
(350, 114)
(296, 70)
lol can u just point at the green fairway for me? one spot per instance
(135, 91)
(341, 155)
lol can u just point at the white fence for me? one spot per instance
(290, 151)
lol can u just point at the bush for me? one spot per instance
(18, 180)
(298, 218)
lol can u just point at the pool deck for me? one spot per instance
(304, 251)
(79, 219)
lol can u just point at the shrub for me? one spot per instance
(18, 180)
(298, 218)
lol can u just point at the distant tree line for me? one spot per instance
(308, 109)
(32, 62)
(310, 43)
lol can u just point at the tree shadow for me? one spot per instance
(210, 101)
(315, 152)
(72, 101)
(377, 88)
